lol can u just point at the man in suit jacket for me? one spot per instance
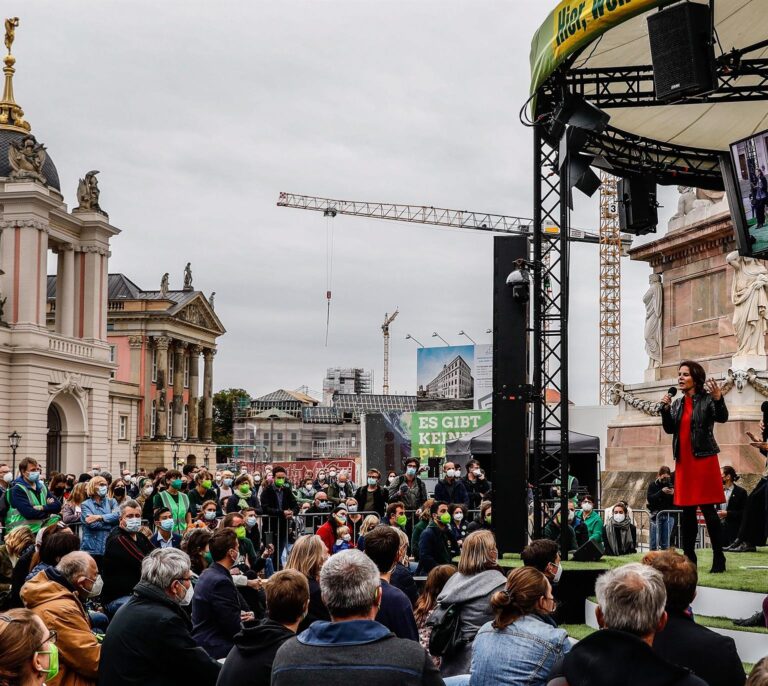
(280, 505)
(707, 654)
(217, 608)
(164, 536)
(731, 512)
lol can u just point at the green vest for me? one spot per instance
(178, 510)
(15, 518)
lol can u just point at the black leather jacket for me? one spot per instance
(706, 412)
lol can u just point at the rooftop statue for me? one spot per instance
(88, 193)
(10, 32)
(27, 157)
(695, 205)
(164, 285)
(188, 277)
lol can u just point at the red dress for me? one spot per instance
(698, 480)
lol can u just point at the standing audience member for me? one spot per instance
(225, 489)
(202, 492)
(682, 640)
(28, 652)
(149, 643)
(145, 499)
(620, 535)
(206, 515)
(731, 511)
(252, 532)
(124, 552)
(353, 643)
(382, 545)
(176, 501)
(427, 602)
(630, 613)
(20, 547)
(57, 486)
(372, 497)
(99, 515)
(250, 660)
(341, 489)
(164, 536)
(56, 596)
(279, 504)
(423, 518)
(307, 556)
(478, 487)
(437, 545)
(660, 500)
(244, 496)
(118, 491)
(478, 578)
(30, 502)
(408, 488)
(218, 610)
(450, 488)
(519, 648)
(72, 509)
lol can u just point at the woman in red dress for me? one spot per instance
(698, 481)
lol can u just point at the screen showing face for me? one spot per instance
(749, 158)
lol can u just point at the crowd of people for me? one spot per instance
(189, 576)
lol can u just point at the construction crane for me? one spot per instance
(613, 245)
(385, 329)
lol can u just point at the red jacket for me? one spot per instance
(328, 534)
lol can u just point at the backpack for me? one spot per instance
(446, 630)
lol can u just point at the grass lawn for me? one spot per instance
(736, 578)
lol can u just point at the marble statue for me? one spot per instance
(27, 157)
(164, 285)
(654, 303)
(695, 205)
(10, 32)
(750, 304)
(2, 306)
(210, 299)
(188, 277)
(88, 193)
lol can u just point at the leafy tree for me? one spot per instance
(223, 415)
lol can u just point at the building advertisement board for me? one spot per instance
(446, 372)
(483, 376)
(431, 430)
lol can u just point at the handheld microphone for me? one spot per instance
(764, 410)
(672, 392)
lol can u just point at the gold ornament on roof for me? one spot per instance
(11, 115)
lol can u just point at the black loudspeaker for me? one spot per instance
(637, 205)
(682, 50)
(589, 552)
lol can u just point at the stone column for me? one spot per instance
(178, 390)
(146, 385)
(194, 389)
(65, 291)
(208, 395)
(161, 344)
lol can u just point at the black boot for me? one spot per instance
(757, 619)
(718, 562)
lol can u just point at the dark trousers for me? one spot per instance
(689, 528)
(752, 529)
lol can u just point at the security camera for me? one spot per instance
(520, 282)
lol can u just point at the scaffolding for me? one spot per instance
(610, 287)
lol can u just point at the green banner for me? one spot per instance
(431, 430)
(574, 24)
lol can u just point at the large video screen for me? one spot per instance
(749, 160)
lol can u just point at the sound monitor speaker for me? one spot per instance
(682, 50)
(589, 552)
(637, 205)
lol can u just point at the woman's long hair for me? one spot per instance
(307, 556)
(436, 580)
(476, 552)
(21, 635)
(525, 585)
(698, 374)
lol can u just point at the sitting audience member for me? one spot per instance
(252, 531)
(206, 515)
(343, 539)
(483, 520)
(478, 578)
(56, 542)
(149, 642)
(544, 555)
(126, 548)
(382, 545)
(620, 536)
(250, 660)
(20, 546)
(552, 530)
(437, 546)
(27, 650)
(759, 674)
(164, 536)
(402, 577)
(518, 648)
(195, 544)
(427, 602)
(458, 522)
(218, 610)
(731, 511)
(329, 532)
(369, 523)
(631, 612)
(353, 643)
(56, 596)
(423, 518)
(682, 640)
(307, 556)
(592, 521)
(395, 515)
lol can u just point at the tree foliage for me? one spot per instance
(223, 416)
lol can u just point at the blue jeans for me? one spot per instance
(115, 605)
(461, 680)
(99, 621)
(661, 530)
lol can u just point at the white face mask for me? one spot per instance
(587, 507)
(571, 515)
(98, 585)
(7, 477)
(148, 490)
(458, 516)
(618, 518)
(477, 472)
(450, 473)
(558, 573)
(332, 474)
(187, 599)
(347, 537)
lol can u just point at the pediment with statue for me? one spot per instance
(199, 313)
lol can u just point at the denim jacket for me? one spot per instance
(522, 653)
(95, 534)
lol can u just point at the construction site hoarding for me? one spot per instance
(446, 372)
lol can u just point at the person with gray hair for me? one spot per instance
(352, 642)
(630, 611)
(149, 642)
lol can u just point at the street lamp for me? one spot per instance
(206, 452)
(464, 333)
(437, 335)
(175, 448)
(411, 338)
(14, 440)
(136, 449)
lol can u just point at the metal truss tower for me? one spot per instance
(610, 287)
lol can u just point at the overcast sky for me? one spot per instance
(199, 114)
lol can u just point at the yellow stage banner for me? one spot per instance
(574, 24)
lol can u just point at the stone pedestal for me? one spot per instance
(652, 374)
(744, 362)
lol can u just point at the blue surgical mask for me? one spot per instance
(102, 491)
(372, 481)
(411, 471)
(166, 524)
(227, 482)
(210, 515)
(250, 521)
(133, 524)
(33, 476)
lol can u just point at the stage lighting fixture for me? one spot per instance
(577, 112)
